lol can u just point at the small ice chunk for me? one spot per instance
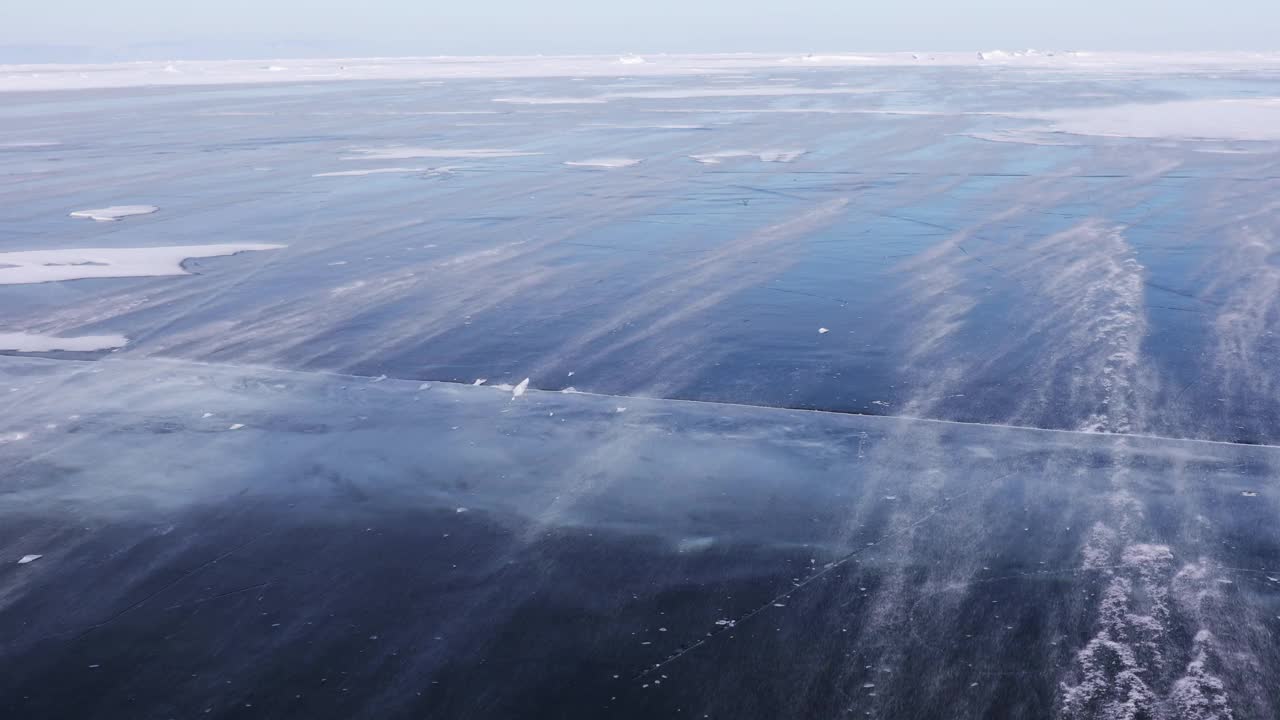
(115, 212)
(622, 409)
(207, 415)
(460, 510)
(479, 382)
(237, 426)
(823, 331)
(518, 390)
(1248, 493)
(424, 386)
(29, 559)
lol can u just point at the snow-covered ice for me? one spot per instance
(115, 212)
(42, 266)
(35, 342)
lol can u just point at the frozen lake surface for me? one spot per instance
(899, 387)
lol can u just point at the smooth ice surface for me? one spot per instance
(1027, 471)
(405, 153)
(372, 171)
(1069, 241)
(550, 555)
(42, 266)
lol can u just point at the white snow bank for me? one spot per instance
(781, 156)
(218, 72)
(115, 212)
(407, 153)
(31, 342)
(604, 163)
(40, 266)
(1252, 119)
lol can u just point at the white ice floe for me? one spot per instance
(823, 331)
(236, 426)
(604, 163)
(32, 342)
(518, 390)
(41, 266)
(371, 171)
(479, 382)
(29, 559)
(778, 156)
(115, 212)
(401, 152)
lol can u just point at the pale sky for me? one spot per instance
(71, 30)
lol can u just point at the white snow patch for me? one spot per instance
(41, 266)
(604, 163)
(115, 212)
(778, 156)
(1235, 119)
(32, 342)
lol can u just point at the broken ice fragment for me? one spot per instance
(29, 559)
